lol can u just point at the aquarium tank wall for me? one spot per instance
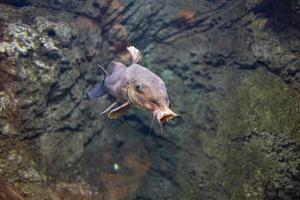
(231, 70)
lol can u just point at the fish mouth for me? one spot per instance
(165, 115)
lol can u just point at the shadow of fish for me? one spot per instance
(134, 85)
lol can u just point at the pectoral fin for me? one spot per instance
(109, 108)
(119, 111)
(98, 91)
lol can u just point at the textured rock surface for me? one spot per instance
(232, 66)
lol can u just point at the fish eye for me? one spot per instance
(138, 87)
(155, 101)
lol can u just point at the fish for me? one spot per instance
(134, 85)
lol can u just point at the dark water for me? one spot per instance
(231, 67)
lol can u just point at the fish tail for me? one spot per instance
(135, 54)
(98, 91)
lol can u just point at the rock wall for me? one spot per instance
(232, 67)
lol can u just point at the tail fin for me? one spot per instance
(98, 91)
(135, 54)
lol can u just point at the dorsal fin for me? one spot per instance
(135, 54)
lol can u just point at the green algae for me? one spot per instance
(262, 103)
(260, 123)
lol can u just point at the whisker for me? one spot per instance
(185, 118)
(165, 127)
(151, 125)
(172, 130)
(161, 130)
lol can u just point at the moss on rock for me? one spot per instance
(260, 124)
(261, 102)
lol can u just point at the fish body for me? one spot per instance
(134, 85)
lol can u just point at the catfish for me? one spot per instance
(136, 86)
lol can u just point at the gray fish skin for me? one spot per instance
(155, 87)
(121, 77)
(115, 82)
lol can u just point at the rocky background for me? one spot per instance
(231, 66)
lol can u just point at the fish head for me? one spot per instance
(152, 96)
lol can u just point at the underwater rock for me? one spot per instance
(7, 193)
(31, 92)
(232, 67)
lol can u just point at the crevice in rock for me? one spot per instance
(17, 3)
